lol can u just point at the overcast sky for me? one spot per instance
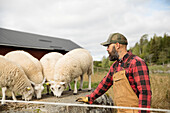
(87, 22)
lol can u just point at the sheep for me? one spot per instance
(32, 68)
(48, 62)
(72, 65)
(12, 77)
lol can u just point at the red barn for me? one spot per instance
(36, 45)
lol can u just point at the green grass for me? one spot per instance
(45, 89)
(37, 110)
(159, 67)
(85, 85)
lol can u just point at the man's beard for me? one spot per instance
(113, 55)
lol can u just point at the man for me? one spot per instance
(129, 76)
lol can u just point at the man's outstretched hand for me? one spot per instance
(82, 99)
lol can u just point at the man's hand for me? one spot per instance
(82, 99)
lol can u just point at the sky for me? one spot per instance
(88, 22)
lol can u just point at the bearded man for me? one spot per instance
(129, 76)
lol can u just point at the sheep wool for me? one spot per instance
(31, 66)
(12, 76)
(73, 64)
(48, 62)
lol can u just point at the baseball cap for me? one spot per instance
(114, 38)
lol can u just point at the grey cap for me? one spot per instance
(114, 38)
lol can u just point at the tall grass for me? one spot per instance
(160, 85)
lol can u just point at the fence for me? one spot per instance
(87, 105)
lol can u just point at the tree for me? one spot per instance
(162, 57)
(143, 42)
(166, 47)
(105, 62)
(154, 48)
(135, 49)
(97, 64)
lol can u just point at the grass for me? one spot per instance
(85, 85)
(159, 67)
(160, 86)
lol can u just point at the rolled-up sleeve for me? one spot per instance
(103, 86)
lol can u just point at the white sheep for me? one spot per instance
(12, 77)
(48, 62)
(32, 68)
(72, 65)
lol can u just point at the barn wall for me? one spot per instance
(37, 53)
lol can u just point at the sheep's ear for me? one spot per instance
(62, 83)
(43, 81)
(51, 82)
(32, 83)
(28, 89)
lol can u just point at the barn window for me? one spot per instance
(45, 40)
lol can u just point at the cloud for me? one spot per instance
(87, 22)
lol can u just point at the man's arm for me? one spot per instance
(104, 85)
(141, 77)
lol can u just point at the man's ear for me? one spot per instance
(117, 46)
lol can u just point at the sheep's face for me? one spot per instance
(57, 88)
(28, 93)
(38, 88)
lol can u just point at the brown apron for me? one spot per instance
(123, 93)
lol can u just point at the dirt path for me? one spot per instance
(67, 97)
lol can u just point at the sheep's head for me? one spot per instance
(38, 88)
(57, 87)
(28, 93)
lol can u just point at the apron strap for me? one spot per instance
(125, 65)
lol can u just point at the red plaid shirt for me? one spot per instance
(137, 74)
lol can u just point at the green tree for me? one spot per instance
(162, 57)
(105, 62)
(97, 64)
(135, 49)
(143, 42)
(154, 48)
(143, 46)
(166, 47)
(110, 62)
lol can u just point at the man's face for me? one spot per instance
(113, 54)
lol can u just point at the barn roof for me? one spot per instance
(29, 40)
